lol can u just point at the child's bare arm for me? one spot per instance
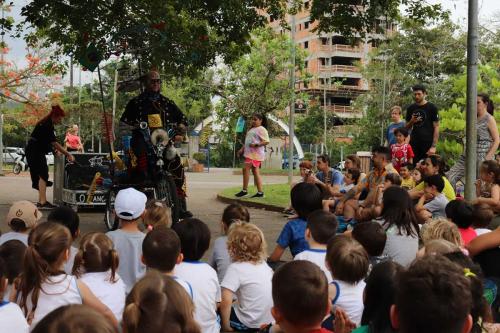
(277, 253)
(225, 309)
(420, 205)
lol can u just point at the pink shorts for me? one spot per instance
(254, 163)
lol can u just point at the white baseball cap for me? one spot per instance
(130, 204)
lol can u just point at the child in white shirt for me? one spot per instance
(22, 217)
(161, 250)
(43, 287)
(195, 240)
(321, 226)
(249, 278)
(96, 264)
(220, 259)
(11, 252)
(11, 316)
(348, 262)
(69, 218)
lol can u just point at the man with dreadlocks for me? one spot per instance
(159, 112)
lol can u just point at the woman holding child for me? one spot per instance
(433, 165)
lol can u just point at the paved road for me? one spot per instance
(202, 191)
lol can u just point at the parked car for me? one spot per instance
(10, 154)
(284, 162)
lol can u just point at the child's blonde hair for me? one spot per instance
(74, 318)
(44, 256)
(440, 246)
(96, 254)
(157, 213)
(158, 304)
(246, 243)
(441, 228)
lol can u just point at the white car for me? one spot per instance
(10, 154)
(50, 159)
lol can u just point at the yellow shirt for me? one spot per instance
(448, 190)
(408, 183)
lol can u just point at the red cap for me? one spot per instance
(57, 111)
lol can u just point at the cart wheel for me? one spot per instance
(167, 192)
(17, 168)
(110, 219)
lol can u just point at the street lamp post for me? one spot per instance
(383, 97)
(292, 103)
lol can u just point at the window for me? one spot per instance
(299, 27)
(322, 61)
(306, 63)
(324, 41)
(306, 45)
(306, 25)
(306, 5)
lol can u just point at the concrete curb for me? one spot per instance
(251, 204)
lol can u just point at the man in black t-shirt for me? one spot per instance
(422, 119)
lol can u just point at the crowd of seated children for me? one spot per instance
(482, 215)
(433, 165)
(372, 236)
(69, 218)
(408, 181)
(219, 258)
(321, 226)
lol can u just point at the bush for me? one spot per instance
(200, 157)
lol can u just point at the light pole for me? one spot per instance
(384, 52)
(292, 102)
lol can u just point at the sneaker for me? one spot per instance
(241, 193)
(46, 205)
(49, 183)
(258, 195)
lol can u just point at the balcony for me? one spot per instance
(341, 48)
(339, 68)
(340, 108)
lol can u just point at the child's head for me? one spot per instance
(300, 295)
(96, 254)
(306, 198)
(392, 179)
(68, 217)
(371, 235)
(130, 204)
(441, 228)
(194, 236)
(406, 170)
(482, 214)
(233, 213)
(460, 213)
(158, 304)
(157, 214)
(433, 296)
(75, 318)
(396, 113)
(161, 249)
(259, 119)
(352, 176)
(433, 186)
(46, 254)
(346, 259)
(490, 172)
(246, 243)
(379, 295)
(321, 226)
(12, 252)
(401, 134)
(437, 246)
(23, 216)
(417, 175)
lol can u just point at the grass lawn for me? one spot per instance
(271, 172)
(275, 194)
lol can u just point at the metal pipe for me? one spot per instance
(383, 103)
(1, 144)
(292, 103)
(471, 116)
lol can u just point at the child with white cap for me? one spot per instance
(130, 205)
(22, 217)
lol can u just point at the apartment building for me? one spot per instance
(332, 61)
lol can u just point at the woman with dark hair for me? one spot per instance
(399, 221)
(254, 152)
(487, 139)
(433, 165)
(41, 142)
(380, 293)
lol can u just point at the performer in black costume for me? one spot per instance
(159, 112)
(42, 141)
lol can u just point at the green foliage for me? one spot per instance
(200, 157)
(309, 127)
(178, 36)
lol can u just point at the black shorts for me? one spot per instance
(37, 163)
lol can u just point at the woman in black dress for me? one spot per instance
(42, 141)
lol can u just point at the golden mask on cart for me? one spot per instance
(154, 120)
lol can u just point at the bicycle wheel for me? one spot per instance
(167, 192)
(110, 219)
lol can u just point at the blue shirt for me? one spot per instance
(337, 177)
(391, 138)
(293, 236)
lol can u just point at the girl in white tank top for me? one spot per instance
(44, 286)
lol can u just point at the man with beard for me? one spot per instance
(159, 112)
(423, 120)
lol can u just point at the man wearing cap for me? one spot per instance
(130, 205)
(159, 112)
(22, 217)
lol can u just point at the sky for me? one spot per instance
(458, 9)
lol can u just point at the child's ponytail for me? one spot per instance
(114, 261)
(96, 254)
(131, 317)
